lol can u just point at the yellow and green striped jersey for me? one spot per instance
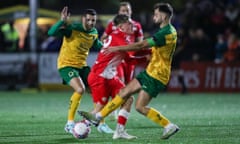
(76, 43)
(163, 45)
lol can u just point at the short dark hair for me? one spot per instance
(89, 11)
(120, 18)
(125, 3)
(164, 7)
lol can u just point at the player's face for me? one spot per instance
(125, 10)
(158, 16)
(89, 21)
(127, 27)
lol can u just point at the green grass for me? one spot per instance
(39, 118)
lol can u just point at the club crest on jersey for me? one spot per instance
(71, 73)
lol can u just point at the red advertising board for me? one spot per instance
(208, 77)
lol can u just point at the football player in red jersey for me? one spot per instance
(126, 69)
(103, 79)
(153, 79)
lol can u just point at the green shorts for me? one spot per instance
(67, 73)
(149, 84)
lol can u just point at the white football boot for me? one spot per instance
(169, 130)
(69, 127)
(121, 133)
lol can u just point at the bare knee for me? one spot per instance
(77, 84)
(125, 93)
(130, 100)
(80, 90)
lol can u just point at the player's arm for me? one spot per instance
(139, 39)
(158, 39)
(97, 44)
(136, 59)
(104, 36)
(134, 46)
(60, 28)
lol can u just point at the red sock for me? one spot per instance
(122, 117)
(122, 120)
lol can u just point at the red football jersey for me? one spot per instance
(137, 29)
(106, 65)
(137, 32)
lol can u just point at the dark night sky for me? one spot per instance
(102, 6)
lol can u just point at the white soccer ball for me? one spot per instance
(81, 130)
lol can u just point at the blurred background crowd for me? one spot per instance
(208, 30)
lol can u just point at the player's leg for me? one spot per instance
(121, 75)
(72, 78)
(124, 112)
(100, 96)
(78, 84)
(118, 100)
(154, 115)
(142, 102)
(150, 90)
(79, 88)
(102, 127)
(121, 72)
(129, 72)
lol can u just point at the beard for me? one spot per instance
(89, 27)
(159, 22)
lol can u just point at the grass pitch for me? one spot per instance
(39, 118)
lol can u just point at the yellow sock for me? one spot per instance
(157, 117)
(112, 105)
(73, 105)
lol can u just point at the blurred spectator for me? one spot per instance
(220, 48)
(48, 43)
(231, 12)
(218, 21)
(199, 46)
(233, 49)
(42, 36)
(44, 42)
(178, 58)
(51, 44)
(10, 37)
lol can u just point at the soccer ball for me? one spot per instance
(81, 130)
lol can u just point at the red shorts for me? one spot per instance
(126, 69)
(102, 88)
(125, 72)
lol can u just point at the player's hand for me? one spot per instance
(109, 50)
(148, 57)
(65, 15)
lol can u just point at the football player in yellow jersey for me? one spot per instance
(78, 38)
(152, 80)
